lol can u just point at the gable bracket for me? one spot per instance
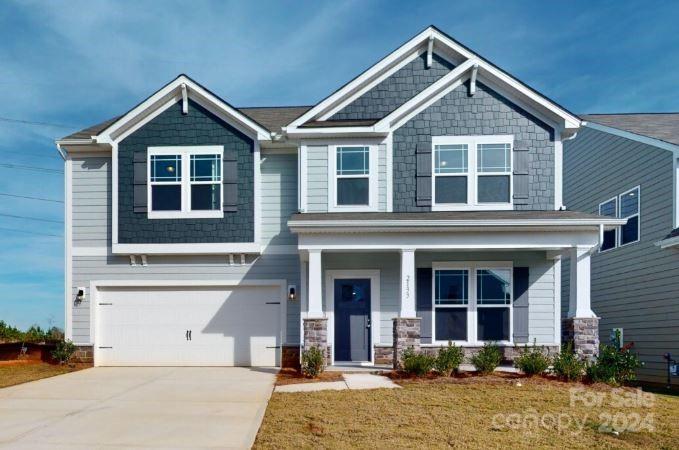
(430, 51)
(472, 83)
(185, 100)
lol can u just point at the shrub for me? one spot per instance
(313, 362)
(614, 366)
(487, 359)
(567, 366)
(64, 351)
(9, 333)
(418, 364)
(532, 361)
(448, 360)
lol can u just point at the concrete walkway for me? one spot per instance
(126, 407)
(351, 381)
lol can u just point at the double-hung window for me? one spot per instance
(472, 302)
(623, 206)
(472, 172)
(353, 178)
(629, 209)
(609, 209)
(185, 182)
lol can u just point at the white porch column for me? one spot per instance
(315, 296)
(579, 304)
(408, 284)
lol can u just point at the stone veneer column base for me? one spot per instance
(583, 333)
(316, 335)
(406, 335)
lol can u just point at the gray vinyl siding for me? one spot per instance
(91, 208)
(317, 178)
(190, 267)
(92, 228)
(279, 197)
(541, 289)
(633, 287)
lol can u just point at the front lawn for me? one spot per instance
(476, 412)
(17, 373)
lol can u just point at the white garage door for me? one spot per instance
(218, 326)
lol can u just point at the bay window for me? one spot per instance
(185, 182)
(472, 302)
(472, 172)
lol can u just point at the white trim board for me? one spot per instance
(374, 275)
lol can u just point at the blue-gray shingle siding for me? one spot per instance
(397, 89)
(172, 128)
(485, 113)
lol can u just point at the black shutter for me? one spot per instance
(520, 305)
(230, 181)
(423, 303)
(423, 194)
(521, 155)
(140, 197)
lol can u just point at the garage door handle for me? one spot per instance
(186, 336)
(273, 303)
(190, 335)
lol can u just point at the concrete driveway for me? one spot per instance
(155, 407)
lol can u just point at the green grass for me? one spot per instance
(23, 373)
(459, 414)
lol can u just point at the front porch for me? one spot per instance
(368, 294)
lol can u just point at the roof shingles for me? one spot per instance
(662, 126)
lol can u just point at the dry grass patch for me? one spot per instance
(458, 413)
(11, 374)
(292, 376)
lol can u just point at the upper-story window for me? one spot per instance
(185, 182)
(353, 181)
(472, 172)
(623, 206)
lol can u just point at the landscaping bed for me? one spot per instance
(18, 372)
(493, 411)
(293, 376)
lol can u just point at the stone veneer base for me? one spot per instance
(316, 335)
(406, 335)
(583, 333)
(84, 354)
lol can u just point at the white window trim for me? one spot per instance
(638, 214)
(472, 305)
(472, 172)
(372, 180)
(617, 231)
(185, 152)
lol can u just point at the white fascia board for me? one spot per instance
(425, 223)
(633, 136)
(185, 249)
(366, 77)
(171, 93)
(436, 241)
(367, 131)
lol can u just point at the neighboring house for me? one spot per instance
(625, 165)
(416, 205)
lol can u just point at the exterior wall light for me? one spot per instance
(292, 292)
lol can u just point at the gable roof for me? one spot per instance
(662, 126)
(272, 117)
(432, 40)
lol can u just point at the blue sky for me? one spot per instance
(77, 63)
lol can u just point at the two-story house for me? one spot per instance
(625, 166)
(418, 204)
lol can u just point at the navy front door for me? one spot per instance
(352, 319)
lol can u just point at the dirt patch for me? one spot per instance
(20, 372)
(291, 376)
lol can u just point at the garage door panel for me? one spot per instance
(147, 326)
